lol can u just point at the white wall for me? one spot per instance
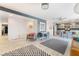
(34, 26)
(18, 27)
(49, 27)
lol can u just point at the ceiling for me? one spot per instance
(55, 10)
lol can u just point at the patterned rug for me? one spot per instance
(30, 50)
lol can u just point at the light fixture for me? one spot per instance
(67, 27)
(44, 5)
(76, 8)
(30, 24)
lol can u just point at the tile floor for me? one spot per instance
(9, 45)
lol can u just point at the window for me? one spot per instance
(42, 26)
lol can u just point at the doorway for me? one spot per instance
(4, 29)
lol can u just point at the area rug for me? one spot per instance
(58, 45)
(30, 50)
